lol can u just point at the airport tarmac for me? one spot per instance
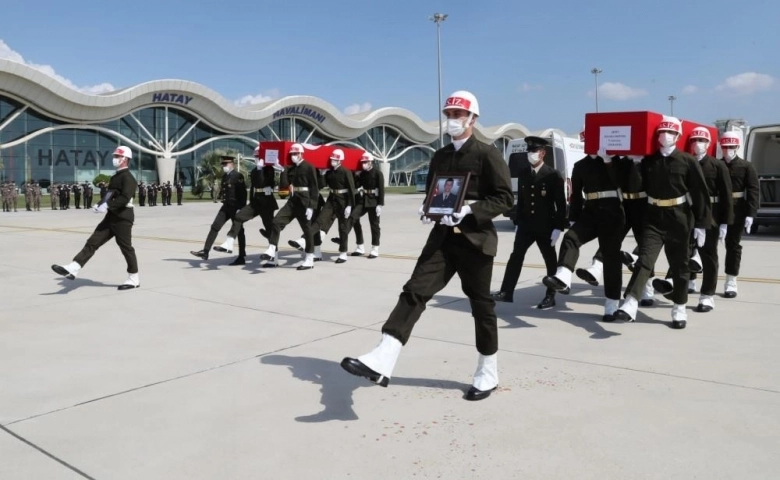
(216, 372)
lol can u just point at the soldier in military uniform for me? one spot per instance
(744, 182)
(678, 201)
(540, 218)
(117, 223)
(595, 213)
(340, 202)
(369, 200)
(141, 194)
(5, 193)
(88, 193)
(28, 195)
(150, 194)
(464, 243)
(233, 193)
(67, 196)
(179, 193)
(37, 197)
(54, 195)
(77, 196)
(304, 194)
(261, 202)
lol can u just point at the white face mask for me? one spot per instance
(456, 127)
(533, 157)
(296, 158)
(366, 166)
(730, 154)
(259, 163)
(226, 169)
(667, 139)
(116, 161)
(700, 148)
(334, 164)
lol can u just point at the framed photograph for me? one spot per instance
(448, 190)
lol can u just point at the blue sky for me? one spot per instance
(527, 62)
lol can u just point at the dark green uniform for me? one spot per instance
(118, 222)
(260, 203)
(541, 208)
(597, 213)
(370, 186)
(341, 196)
(467, 249)
(233, 194)
(744, 184)
(304, 180)
(667, 180)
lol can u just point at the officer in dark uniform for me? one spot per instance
(678, 201)
(744, 182)
(77, 196)
(64, 196)
(464, 243)
(540, 218)
(117, 204)
(261, 202)
(370, 198)
(150, 195)
(340, 202)
(87, 190)
(595, 213)
(304, 194)
(141, 194)
(233, 195)
(179, 192)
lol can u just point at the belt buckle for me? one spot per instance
(456, 230)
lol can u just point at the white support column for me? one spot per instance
(385, 168)
(166, 168)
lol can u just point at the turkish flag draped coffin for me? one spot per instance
(317, 155)
(633, 133)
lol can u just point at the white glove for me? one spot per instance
(636, 158)
(291, 190)
(347, 211)
(456, 217)
(309, 213)
(278, 167)
(748, 224)
(378, 210)
(421, 212)
(603, 154)
(571, 224)
(102, 208)
(268, 190)
(699, 235)
(554, 237)
(722, 232)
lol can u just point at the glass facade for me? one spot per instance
(36, 147)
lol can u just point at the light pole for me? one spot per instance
(437, 18)
(595, 72)
(671, 98)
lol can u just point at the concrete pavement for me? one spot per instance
(209, 371)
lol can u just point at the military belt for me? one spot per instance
(600, 195)
(634, 196)
(300, 189)
(713, 199)
(737, 194)
(670, 202)
(261, 190)
(340, 190)
(374, 191)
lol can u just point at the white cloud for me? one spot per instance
(690, 89)
(259, 98)
(9, 54)
(618, 91)
(747, 83)
(527, 87)
(357, 108)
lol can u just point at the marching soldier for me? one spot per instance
(233, 193)
(261, 202)
(340, 202)
(54, 195)
(117, 223)
(179, 192)
(141, 194)
(595, 212)
(304, 193)
(678, 201)
(464, 243)
(77, 196)
(369, 200)
(540, 218)
(744, 182)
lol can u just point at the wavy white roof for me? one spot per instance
(57, 100)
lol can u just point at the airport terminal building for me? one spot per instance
(52, 133)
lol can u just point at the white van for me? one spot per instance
(561, 155)
(762, 149)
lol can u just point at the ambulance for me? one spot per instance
(761, 147)
(562, 154)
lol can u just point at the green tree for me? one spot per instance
(210, 172)
(101, 178)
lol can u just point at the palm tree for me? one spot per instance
(209, 172)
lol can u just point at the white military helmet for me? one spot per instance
(124, 152)
(702, 133)
(338, 154)
(366, 157)
(296, 148)
(730, 139)
(670, 124)
(462, 100)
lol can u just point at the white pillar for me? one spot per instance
(166, 168)
(385, 166)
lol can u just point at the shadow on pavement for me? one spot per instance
(68, 286)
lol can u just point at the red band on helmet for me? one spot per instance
(458, 102)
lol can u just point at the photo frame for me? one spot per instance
(447, 193)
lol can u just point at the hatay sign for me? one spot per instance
(74, 157)
(171, 98)
(300, 111)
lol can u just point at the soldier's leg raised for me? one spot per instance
(523, 239)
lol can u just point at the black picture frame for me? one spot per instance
(437, 204)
